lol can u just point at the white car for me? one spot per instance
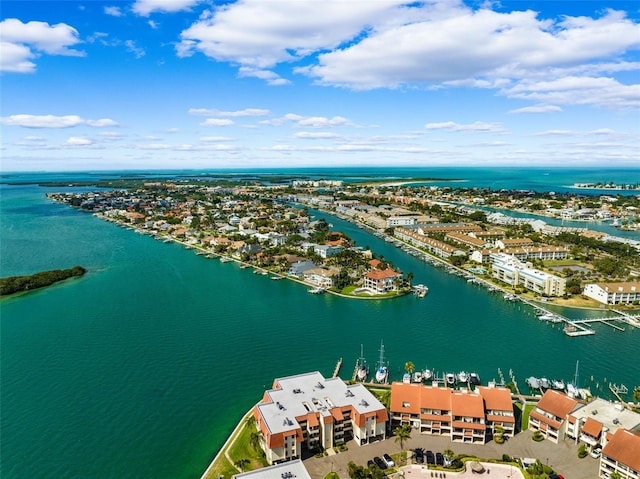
(387, 460)
(596, 452)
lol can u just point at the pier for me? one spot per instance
(336, 371)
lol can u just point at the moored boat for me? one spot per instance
(533, 382)
(417, 377)
(558, 384)
(450, 379)
(427, 375)
(463, 377)
(406, 378)
(317, 290)
(474, 379)
(382, 373)
(544, 383)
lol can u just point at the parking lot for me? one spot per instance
(563, 457)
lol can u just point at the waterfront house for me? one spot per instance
(621, 455)
(613, 293)
(382, 281)
(310, 411)
(322, 277)
(550, 414)
(299, 267)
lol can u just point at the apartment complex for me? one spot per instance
(621, 455)
(510, 270)
(434, 246)
(464, 416)
(523, 254)
(550, 414)
(317, 413)
(613, 293)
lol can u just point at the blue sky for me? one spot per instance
(153, 84)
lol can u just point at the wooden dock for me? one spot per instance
(336, 371)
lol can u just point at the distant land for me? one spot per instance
(20, 284)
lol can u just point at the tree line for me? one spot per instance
(17, 284)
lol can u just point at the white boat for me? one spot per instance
(382, 373)
(363, 369)
(417, 377)
(547, 317)
(450, 379)
(225, 259)
(533, 382)
(558, 384)
(427, 375)
(420, 290)
(474, 379)
(406, 378)
(462, 377)
(572, 391)
(544, 382)
(317, 290)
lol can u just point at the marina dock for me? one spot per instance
(336, 371)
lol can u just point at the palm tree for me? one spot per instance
(250, 421)
(241, 463)
(448, 455)
(402, 433)
(255, 439)
(409, 367)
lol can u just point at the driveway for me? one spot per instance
(562, 457)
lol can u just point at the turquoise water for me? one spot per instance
(142, 367)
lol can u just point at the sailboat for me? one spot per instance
(572, 388)
(382, 373)
(363, 369)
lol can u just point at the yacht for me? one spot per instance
(462, 377)
(427, 375)
(558, 384)
(474, 379)
(544, 382)
(417, 377)
(363, 369)
(533, 382)
(450, 379)
(406, 378)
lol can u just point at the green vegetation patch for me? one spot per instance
(18, 284)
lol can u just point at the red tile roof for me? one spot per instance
(593, 428)
(624, 447)
(556, 403)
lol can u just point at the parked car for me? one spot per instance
(370, 463)
(595, 453)
(439, 459)
(556, 476)
(380, 463)
(431, 459)
(387, 460)
(419, 455)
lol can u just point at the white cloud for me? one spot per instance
(145, 7)
(16, 58)
(133, 48)
(186, 147)
(260, 34)
(152, 24)
(79, 141)
(236, 113)
(269, 76)
(217, 122)
(537, 109)
(475, 127)
(102, 122)
(309, 121)
(22, 42)
(210, 139)
(315, 135)
(53, 121)
(113, 11)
